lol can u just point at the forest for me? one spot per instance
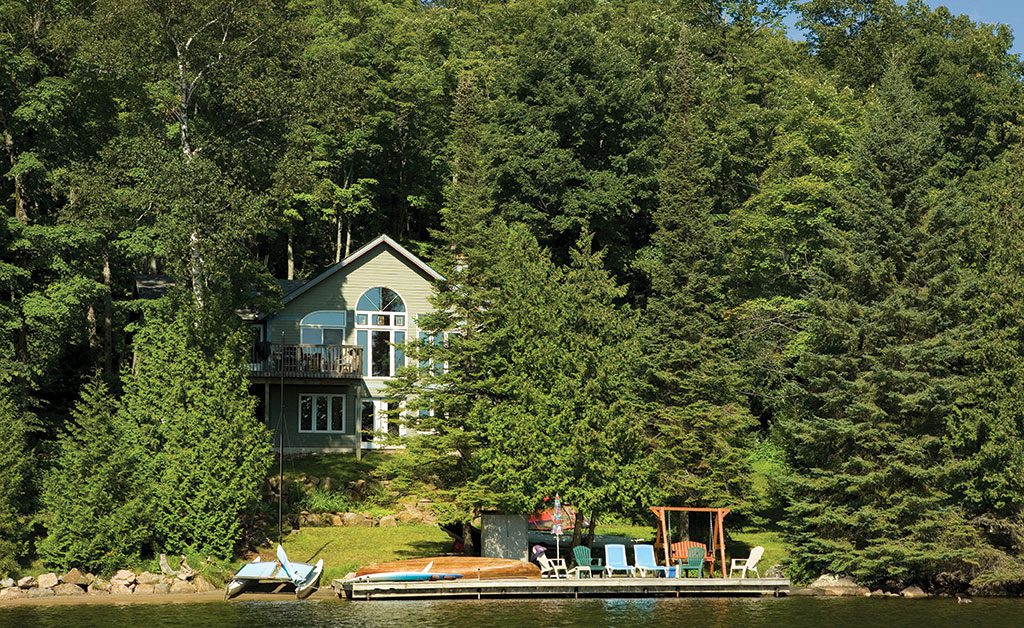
(675, 239)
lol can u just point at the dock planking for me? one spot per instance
(564, 588)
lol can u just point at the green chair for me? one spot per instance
(694, 562)
(585, 564)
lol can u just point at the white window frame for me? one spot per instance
(369, 327)
(319, 329)
(330, 404)
(380, 422)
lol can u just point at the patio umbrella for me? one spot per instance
(556, 527)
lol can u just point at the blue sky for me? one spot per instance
(991, 11)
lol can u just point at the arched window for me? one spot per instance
(323, 327)
(380, 331)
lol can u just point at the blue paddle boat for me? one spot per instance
(304, 577)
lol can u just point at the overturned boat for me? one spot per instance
(282, 571)
(465, 566)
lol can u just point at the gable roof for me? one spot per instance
(363, 250)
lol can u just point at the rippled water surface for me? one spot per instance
(751, 613)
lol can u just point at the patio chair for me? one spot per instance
(552, 567)
(646, 562)
(615, 555)
(694, 562)
(750, 562)
(585, 564)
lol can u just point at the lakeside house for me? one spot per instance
(319, 366)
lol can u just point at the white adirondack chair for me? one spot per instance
(552, 567)
(749, 563)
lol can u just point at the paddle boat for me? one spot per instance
(304, 577)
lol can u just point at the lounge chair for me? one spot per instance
(615, 555)
(585, 564)
(552, 567)
(694, 562)
(646, 562)
(747, 563)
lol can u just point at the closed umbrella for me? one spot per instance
(556, 528)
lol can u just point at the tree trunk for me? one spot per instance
(20, 197)
(291, 253)
(591, 529)
(94, 334)
(108, 318)
(196, 268)
(337, 238)
(577, 529)
(348, 237)
(468, 547)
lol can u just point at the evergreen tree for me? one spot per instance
(95, 516)
(16, 462)
(699, 416)
(189, 407)
(866, 434)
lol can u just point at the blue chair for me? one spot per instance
(646, 562)
(615, 556)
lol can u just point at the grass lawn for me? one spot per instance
(344, 549)
(341, 468)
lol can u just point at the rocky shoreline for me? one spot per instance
(830, 585)
(123, 583)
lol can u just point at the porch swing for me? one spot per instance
(674, 552)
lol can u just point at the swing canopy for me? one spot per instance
(716, 529)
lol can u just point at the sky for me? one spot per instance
(1009, 12)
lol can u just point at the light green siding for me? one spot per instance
(381, 266)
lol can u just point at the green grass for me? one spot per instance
(345, 549)
(341, 468)
(775, 550)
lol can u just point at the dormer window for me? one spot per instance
(380, 331)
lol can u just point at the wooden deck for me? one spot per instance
(564, 588)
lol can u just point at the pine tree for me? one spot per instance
(699, 415)
(95, 515)
(868, 424)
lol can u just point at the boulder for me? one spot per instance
(149, 578)
(803, 592)
(99, 584)
(144, 589)
(878, 593)
(181, 586)
(354, 519)
(67, 588)
(388, 521)
(74, 576)
(838, 586)
(48, 580)
(162, 587)
(410, 515)
(313, 480)
(203, 585)
(913, 592)
(121, 589)
(327, 484)
(27, 582)
(124, 577)
(92, 590)
(12, 593)
(7, 583)
(39, 592)
(336, 521)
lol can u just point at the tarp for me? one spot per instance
(543, 519)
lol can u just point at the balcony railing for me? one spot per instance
(320, 361)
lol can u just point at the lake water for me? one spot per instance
(631, 613)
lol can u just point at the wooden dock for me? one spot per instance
(563, 588)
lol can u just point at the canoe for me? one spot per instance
(406, 576)
(467, 566)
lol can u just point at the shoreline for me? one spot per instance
(324, 593)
